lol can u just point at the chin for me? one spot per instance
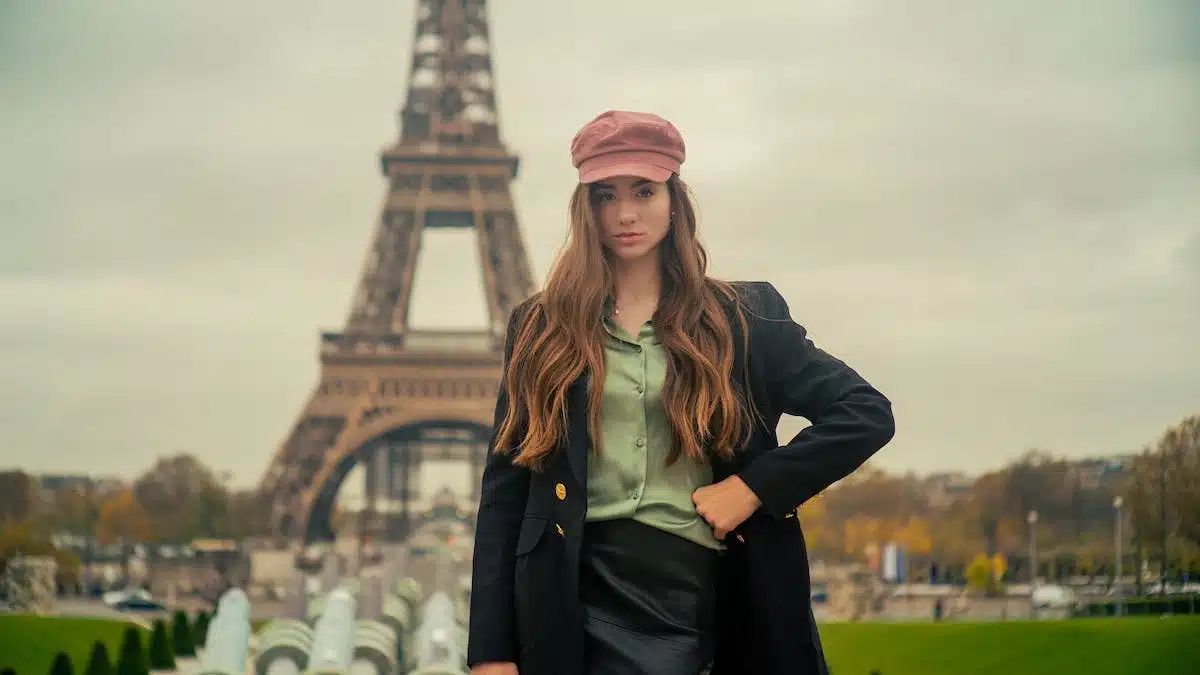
(628, 254)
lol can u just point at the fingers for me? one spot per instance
(720, 526)
(708, 507)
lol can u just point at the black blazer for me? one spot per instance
(525, 571)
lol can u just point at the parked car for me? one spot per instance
(1053, 597)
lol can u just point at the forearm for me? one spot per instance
(850, 432)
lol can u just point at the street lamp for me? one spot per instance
(1117, 504)
(1032, 519)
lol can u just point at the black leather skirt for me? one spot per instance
(649, 600)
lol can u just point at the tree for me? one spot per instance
(73, 510)
(122, 518)
(858, 534)
(62, 665)
(819, 537)
(161, 655)
(984, 573)
(200, 631)
(184, 497)
(1142, 498)
(955, 536)
(181, 635)
(18, 497)
(873, 493)
(1161, 503)
(247, 515)
(1010, 533)
(133, 656)
(1180, 450)
(26, 539)
(914, 537)
(98, 661)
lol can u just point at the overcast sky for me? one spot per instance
(992, 209)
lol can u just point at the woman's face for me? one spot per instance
(634, 215)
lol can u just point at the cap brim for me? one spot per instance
(638, 170)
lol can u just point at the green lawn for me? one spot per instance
(1130, 646)
(28, 644)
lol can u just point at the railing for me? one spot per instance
(466, 342)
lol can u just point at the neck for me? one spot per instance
(637, 281)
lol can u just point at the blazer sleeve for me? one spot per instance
(504, 489)
(850, 419)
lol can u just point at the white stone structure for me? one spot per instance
(31, 583)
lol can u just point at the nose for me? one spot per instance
(627, 214)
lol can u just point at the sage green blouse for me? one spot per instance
(627, 478)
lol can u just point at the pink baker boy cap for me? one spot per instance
(622, 143)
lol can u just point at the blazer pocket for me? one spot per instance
(532, 530)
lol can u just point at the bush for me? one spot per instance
(98, 662)
(161, 654)
(62, 665)
(133, 659)
(200, 631)
(181, 635)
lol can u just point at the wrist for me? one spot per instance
(752, 499)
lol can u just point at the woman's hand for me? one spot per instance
(494, 669)
(725, 505)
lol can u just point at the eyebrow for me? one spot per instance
(605, 186)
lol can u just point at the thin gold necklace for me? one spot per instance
(617, 309)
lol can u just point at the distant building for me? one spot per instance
(49, 484)
(944, 489)
(1095, 473)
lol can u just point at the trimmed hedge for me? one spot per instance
(98, 661)
(62, 665)
(161, 655)
(181, 635)
(200, 630)
(132, 660)
(1144, 606)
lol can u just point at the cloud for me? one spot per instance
(988, 209)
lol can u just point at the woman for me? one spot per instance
(637, 514)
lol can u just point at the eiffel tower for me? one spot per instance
(390, 397)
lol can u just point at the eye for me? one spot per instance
(601, 196)
(645, 192)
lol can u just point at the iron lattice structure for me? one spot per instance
(389, 397)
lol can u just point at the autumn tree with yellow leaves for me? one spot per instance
(122, 518)
(1073, 498)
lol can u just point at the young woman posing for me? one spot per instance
(637, 513)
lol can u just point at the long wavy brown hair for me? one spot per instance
(560, 337)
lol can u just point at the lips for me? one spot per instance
(628, 236)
